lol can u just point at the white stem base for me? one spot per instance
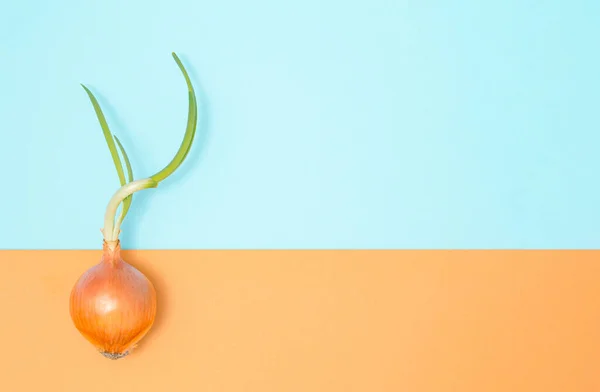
(111, 230)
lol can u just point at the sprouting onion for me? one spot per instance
(113, 305)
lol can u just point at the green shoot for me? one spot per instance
(107, 135)
(190, 131)
(111, 229)
(127, 201)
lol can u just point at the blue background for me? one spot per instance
(323, 124)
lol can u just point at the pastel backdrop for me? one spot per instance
(336, 125)
(324, 124)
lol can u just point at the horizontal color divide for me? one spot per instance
(328, 321)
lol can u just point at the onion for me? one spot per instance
(112, 304)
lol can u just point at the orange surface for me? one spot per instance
(286, 321)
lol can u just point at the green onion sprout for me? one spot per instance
(123, 196)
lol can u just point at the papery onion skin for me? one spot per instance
(113, 305)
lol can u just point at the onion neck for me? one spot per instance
(111, 252)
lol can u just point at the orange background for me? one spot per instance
(317, 321)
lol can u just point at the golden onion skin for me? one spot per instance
(113, 305)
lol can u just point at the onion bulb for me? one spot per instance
(112, 304)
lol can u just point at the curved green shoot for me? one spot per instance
(111, 229)
(107, 135)
(190, 131)
(127, 201)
